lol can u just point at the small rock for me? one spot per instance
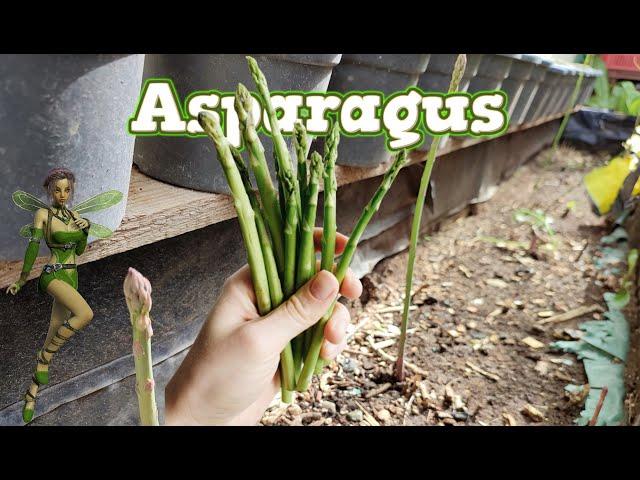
(541, 302)
(330, 406)
(294, 410)
(533, 343)
(535, 328)
(519, 304)
(442, 415)
(546, 314)
(451, 311)
(348, 364)
(472, 324)
(383, 415)
(355, 416)
(461, 328)
(496, 282)
(542, 367)
(453, 333)
(460, 416)
(478, 301)
(449, 421)
(472, 309)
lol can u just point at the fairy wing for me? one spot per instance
(27, 231)
(28, 202)
(99, 231)
(99, 202)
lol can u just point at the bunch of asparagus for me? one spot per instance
(277, 224)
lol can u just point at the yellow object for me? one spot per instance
(604, 183)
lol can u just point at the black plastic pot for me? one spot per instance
(193, 162)
(387, 73)
(514, 84)
(65, 111)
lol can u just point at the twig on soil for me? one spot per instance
(407, 409)
(377, 391)
(603, 394)
(386, 356)
(479, 370)
(397, 308)
(586, 244)
(571, 314)
(367, 416)
(358, 352)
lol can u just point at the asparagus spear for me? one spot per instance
(301, 145)
(275, 288)
(137, 293)
(290, 236)
(329, 220)
(260, 169)
(246, 216)
(372, 207)
(306, 258)
(458, 71)
(280, 147)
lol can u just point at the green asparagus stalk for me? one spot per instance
(137, 293)
(458, 71)
(280, 147)
(281, 196)
(260, 169)
(572, 103)
(301, 145)
(345, 260)
(246, 216)
(290, 237)
(306, 259)
(275, 288)
(329, 220)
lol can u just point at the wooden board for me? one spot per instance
(156, 210)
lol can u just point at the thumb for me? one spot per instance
(300, 311)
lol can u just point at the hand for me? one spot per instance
(81, 223)
(14, 288)
(231, 375)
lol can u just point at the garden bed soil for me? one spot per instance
(478, 354)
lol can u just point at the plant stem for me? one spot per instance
(246, 216)
(458, 71)
(329, 219)
(345, 260)
(301, 145)
(290, 238)
(280, 147)
(275, 288)
(306, 259)
(268, 195)
(572, 102)
(137, 292)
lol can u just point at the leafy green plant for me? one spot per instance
(539, 220)
(622, 97)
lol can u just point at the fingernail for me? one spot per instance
(324, 285)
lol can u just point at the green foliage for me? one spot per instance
(536, 218)
(622, 97)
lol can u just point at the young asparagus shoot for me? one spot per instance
(280, 147)
(306, 258)
(290, 237)
(137, 293)
(345, 260)
(458, 71)
(572, 103)
(246, 216)
(258, 163)
(301, 144)
(329, 220)
(275, 288)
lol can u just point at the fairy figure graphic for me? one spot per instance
(65, 233)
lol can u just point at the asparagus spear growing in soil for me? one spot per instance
(280, 147)
(275, 288)
(458, 71)
(345, 260)
(137, 293)
(306, 258)
(260, 169)
(246, 216)
(329, 220)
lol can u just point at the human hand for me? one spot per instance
(231, 375)
(81, 223)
